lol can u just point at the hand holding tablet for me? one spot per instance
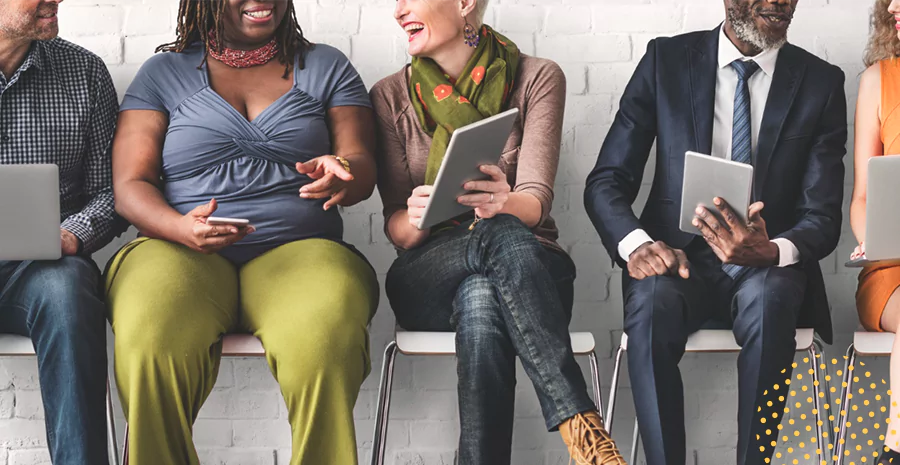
(734, 229)
(470, 148)
(706, 178)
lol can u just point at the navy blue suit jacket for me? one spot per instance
(799, 169)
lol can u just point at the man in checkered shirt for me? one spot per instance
(58, 106)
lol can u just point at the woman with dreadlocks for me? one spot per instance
(241, 117)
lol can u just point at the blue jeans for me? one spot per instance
(57, 304)
(505, 295)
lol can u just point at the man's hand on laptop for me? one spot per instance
(734, 242)
(70, 244)
(657, 259)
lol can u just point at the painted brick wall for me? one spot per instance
(598, 43)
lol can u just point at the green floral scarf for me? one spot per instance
(482, 91)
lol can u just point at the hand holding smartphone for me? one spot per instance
(222, 221)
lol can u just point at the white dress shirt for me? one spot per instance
(723, 124)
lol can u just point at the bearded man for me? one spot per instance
(739, 92)
(58, 106)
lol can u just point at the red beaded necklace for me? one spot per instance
(243, 58)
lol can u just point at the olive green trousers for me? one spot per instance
(309, 302)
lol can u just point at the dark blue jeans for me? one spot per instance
(505, 295)
(57, 304)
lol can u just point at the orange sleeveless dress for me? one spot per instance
(877, 284)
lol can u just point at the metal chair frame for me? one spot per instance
(864, 343)
(423, 343)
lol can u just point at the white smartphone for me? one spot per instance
(219, 221)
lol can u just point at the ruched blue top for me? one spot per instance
(212, 151)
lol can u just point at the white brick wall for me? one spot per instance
(598, 43)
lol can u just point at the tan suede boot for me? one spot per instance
(588, 442)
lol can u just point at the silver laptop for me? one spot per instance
(29, 212)
(882, 213)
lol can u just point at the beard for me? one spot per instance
(748, 30)
(26, 25)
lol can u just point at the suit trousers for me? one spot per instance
(761, 306)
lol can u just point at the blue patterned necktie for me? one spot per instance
(741, 135)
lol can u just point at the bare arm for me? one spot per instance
(353, 138)
(867, 145)
(137, 158)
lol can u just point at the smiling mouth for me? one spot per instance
(413, 30)
(259, 14)
(776, 19)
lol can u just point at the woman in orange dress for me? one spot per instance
(878, 134)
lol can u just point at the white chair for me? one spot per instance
(444, 343)
(233, 345)
(722, 340)
(20, 346)
(868, 344)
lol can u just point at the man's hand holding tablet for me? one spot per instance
(737, 242)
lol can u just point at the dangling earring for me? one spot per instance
(471, 35)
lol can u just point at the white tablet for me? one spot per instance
(470, 147)
(707, 177)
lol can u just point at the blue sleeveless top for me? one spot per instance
(212, 151)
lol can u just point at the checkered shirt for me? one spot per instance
(60, 108)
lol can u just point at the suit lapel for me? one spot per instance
(789, 71)
(703, 62)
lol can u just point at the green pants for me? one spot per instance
(309, 302)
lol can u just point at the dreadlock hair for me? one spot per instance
(197, 18)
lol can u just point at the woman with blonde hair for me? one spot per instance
(878, 134)
(497, 277)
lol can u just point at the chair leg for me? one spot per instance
(379, 441)
(635, 441)
(595, 381)
(826, 381)
(841, 438)
(813, 363)
(614, 387)
(125, 446)
(111, 428)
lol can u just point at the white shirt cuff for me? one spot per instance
(632, 241)
(788, 254)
